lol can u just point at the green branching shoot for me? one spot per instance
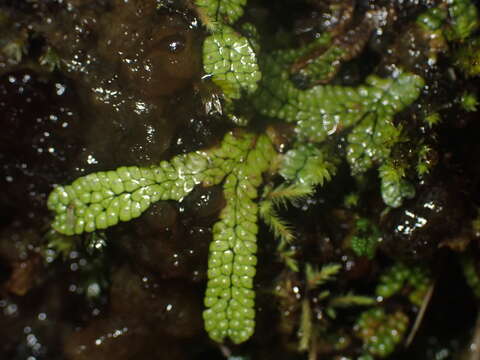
(317, 277)
(280, 228)
(284, 194)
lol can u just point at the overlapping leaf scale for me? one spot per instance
(394, 187)
(373, 136)
(318, 111)
(323, 110)
(230, 298)
(102, 199)
(306, 164)
(224, 11)
(231, 61)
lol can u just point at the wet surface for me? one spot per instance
(120, 95)
(121, 85)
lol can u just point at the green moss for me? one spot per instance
(424, 163)
(366, 238)
(412, 281)
(432, 19)
(50, 59)
(469, 101)
(102, 199)
(310, 69)
(463, 19)
(467, 58)
(324, 110)
(381, 332)
(433, 119)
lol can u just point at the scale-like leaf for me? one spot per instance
(231, 61)
(306, 165)
(222, 11)
(323, 110)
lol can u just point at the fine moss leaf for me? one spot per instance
(323, 110)
(319, 277)
(320, 70)
(432, 19)
(409, 280)
(102, 199)
(371, 140)
(289, 193)
(280, 228)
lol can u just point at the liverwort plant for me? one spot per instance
(234, 63)
(102, 199)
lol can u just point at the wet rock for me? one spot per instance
(203, 203)
(169, 247)
(143, 315)
(126, 59)
(23, 273)
(162, 59)
(9, 317)
(143, 142)
(417, 229)
(423, 48)
(176, 305)
(20, 256)
(117, 339)
(32, 325)
(331, 16)
(17, 242)
(40, 137)
(196, 132)
(357, 268)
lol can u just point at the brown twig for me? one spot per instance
(420, 315)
